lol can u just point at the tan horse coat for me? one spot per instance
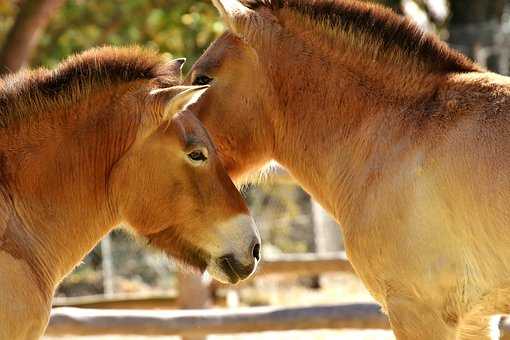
(93, 144)
(405, 142)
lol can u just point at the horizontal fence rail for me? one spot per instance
(120, 301)
(307, 263)
(76, 321)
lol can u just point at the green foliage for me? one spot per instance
(7, 14)
(178, 28)
(175, 27)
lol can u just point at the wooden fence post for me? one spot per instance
(194, 293)
(107, 263)
(327, 232)
(328, 237)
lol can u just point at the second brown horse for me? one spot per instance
(403, 140)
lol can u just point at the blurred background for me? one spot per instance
(43, 32)
(302, 246)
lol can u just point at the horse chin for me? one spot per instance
(186, 255)
(222, 274)
(191, 260)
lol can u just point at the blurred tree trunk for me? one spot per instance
(22, 38)
(475, 25)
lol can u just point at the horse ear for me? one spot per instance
(170, 72)
(176, 98)
(174, 66)
(241, 15)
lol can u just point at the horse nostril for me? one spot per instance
(256, 251)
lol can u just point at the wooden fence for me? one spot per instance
(127, 317)
(77, 321)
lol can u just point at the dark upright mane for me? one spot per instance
(386, 29)
(24, 93)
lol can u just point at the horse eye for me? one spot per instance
(197, 156)
(202, 80)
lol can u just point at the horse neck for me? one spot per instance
(57, 171)
(336, 118)
(307, 45)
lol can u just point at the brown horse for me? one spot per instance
(99, 141)
(404, 141)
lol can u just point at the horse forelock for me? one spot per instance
(374, 28)
(27, 92)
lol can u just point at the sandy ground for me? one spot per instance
(340, 288)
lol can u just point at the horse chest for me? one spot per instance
(394, 264)
(417, 248)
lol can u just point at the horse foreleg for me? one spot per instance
(411, 320)
(482, 320)
(24, 312)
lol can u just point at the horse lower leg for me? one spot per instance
(479, 328)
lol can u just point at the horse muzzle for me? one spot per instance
(242, 255)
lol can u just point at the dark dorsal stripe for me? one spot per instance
(22, 94)
(388, 29)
